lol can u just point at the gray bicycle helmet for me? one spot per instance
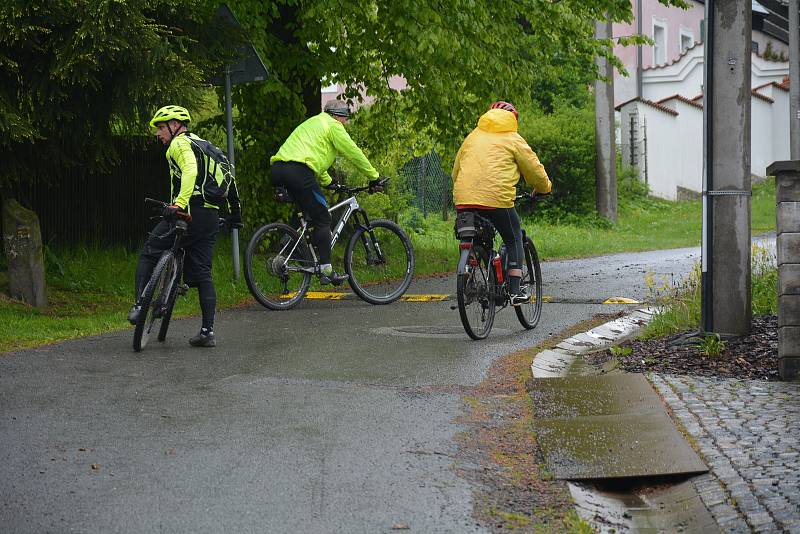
(337, 108)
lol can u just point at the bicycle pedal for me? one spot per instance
(182, 289)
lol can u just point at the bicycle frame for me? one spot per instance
(351, 208)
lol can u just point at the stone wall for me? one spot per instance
(787, 179)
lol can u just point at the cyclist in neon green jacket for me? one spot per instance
(185, 162)
(301, 166)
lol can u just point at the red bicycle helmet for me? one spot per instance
(508, 106)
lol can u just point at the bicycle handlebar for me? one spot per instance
(161, 204)
(531, 197)
(353, 190)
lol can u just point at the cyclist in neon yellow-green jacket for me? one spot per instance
(301, 166)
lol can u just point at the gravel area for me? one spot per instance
(754, 356)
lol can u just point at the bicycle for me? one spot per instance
(482, 280)
(164, 285)
(159, 294)
(280, 260)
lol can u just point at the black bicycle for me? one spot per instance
(482, 276)
(159, 294)
(280, 260)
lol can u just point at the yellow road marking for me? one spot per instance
(424, 298)
(326, 295)
(620, 300)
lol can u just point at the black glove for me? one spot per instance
(376, 186)
(234, 220)
(170, 212)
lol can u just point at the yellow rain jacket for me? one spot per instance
(489, 162)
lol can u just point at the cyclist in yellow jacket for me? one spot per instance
(301, 166)
(485, 175)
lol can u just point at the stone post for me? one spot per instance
(787, 192)
(22, 241)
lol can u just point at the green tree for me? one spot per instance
(74, 72)
(456, 56)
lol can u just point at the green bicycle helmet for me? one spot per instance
(171, 112)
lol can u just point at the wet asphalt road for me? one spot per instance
(325, 418)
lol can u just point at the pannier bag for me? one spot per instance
(465, 225)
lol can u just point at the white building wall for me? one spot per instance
(780, 125)
(658, 143)
(761, 136)
(689, 133)
(682, 78)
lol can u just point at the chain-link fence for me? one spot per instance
(429, 186)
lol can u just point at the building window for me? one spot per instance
(660, 42)
(754, 44)
(687, 40)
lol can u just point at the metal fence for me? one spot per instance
(77, 206)
(428, 184)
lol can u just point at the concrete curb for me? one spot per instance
(556, 362)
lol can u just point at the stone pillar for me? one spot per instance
(22, 242)
(787, 181)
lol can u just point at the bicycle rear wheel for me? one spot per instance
(154, 299)
(380, 262)
(277, 266)
(474, 291)
(530, 312)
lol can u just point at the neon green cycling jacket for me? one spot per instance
(317, 142)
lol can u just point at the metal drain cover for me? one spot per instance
(442, 332)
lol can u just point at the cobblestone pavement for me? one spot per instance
(748, 432)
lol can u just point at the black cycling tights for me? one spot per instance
(208, 302)
(302, 184)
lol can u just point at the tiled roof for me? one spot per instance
(758, 95)
(650, 103)
(775, 84)
(682, 99)
(676, 60)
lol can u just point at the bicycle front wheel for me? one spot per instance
(169, 305)
(277, 266)
(530, 312)
(154, 300)
(380, 262)
(475, 293)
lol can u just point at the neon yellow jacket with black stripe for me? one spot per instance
(183, 168)
(490, 160)
(317, 142)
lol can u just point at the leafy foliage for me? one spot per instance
(74, 72)
(564, 142)
(456, 57)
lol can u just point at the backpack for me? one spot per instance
(215, 175)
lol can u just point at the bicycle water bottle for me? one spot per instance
(497, 262)
(504, 256)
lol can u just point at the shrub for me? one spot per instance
(564, 142)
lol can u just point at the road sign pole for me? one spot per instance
(229, 121)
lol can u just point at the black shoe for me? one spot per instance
(133, 315)
(333, 278)
(520, 298)
(204, 338)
